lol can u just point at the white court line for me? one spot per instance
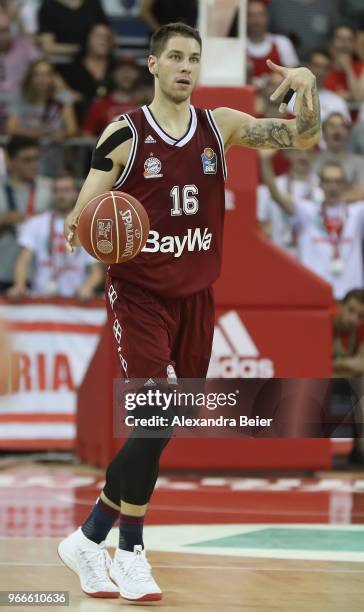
(209, 510)
(210, 567)
(30, 537)
(243, 511)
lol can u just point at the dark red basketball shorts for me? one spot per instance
(159, 337)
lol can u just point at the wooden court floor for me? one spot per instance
(198, 582)
(191, 582)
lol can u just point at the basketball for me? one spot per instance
(113, 227)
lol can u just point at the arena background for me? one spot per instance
(272, 524)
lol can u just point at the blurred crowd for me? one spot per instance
(68, 67)
(310, 203)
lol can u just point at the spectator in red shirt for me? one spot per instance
(262, 45)
(126, 93)
(343, 78)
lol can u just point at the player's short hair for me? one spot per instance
(332, 164)
(160, 37)
(18, 143)
(354, 294)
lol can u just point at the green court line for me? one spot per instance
(298, 539)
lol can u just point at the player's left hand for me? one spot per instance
(301, 80)
(70, 231)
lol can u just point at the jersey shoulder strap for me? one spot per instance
(217, 134)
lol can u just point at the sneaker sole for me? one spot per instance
(98, 594)
(147, 597)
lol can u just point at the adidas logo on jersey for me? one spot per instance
(194, 240)
(234, 353)
(150, 140)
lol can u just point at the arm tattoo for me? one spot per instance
(272, 134)
(308, 122)
(283, 134)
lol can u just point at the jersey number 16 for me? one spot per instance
(189, 204)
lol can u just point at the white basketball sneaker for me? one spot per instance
(91, 562)
(133, 575)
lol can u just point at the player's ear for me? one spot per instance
(153, 65)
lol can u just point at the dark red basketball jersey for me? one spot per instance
(181, 185)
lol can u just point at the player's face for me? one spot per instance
(352, 314)
(177, 68)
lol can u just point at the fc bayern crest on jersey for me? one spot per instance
(209, 161)
(152, 167)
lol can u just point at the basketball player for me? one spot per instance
(170, 156)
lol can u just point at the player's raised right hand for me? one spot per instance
(301, 80)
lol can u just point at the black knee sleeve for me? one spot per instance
(132, 474)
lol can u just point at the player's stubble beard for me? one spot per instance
(179, 98)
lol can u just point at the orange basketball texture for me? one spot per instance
(113, 227)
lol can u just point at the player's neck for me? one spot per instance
(173, 118)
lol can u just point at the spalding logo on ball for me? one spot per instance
(113, 227)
